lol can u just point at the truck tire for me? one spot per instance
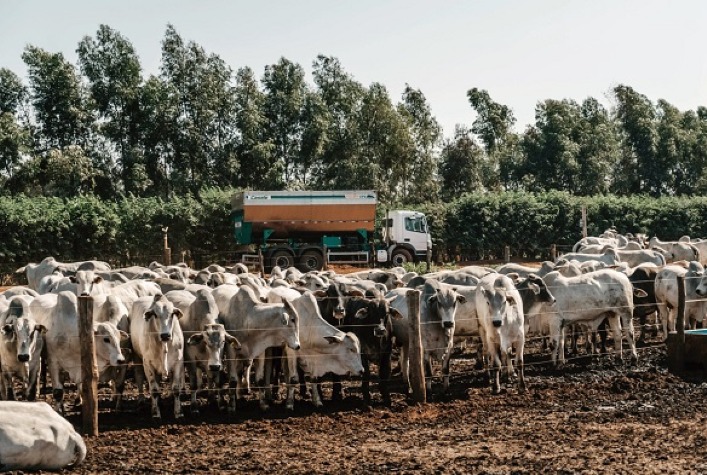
(400, 257)
(311, 260)
(283, 259)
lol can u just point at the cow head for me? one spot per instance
(538, 286)
(498, 300)
(212, 340)
(27, 335)
(107, 338)
(161, 316)
(376, 311)
(85, 281)
(442, 304)
(346, 352)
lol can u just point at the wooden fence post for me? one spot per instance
(89, 369)
(416, 369)
(166, 251)
(584, 221)
(553, 252)
(325, 256)
(507, 253)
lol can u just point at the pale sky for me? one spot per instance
(521, 51)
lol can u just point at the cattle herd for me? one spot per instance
(222, 328)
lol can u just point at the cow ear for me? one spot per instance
(534, 287)
(195, 339)
(395, 313)
(332, 339)
(72, 279)
(432, 299)
(285, 318)
(640, 293)
(320, 294)
(177, 313)
(149, 314)
(123, 335)
(461, 298)
(7, 330)
(362, 313)
(233, 341)
(98, 279)
(40, 328)
(354, 293)
(514, 276)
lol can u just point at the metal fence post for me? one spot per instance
(89, 369)
(675, 341)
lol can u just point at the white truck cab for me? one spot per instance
(407, 237)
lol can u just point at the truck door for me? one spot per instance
(415, 231)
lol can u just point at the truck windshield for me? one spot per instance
(416, 224)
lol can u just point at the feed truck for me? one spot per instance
(300, 228)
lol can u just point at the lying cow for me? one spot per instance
(34, 437)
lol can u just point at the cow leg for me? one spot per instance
(178, 389)
(557, 337)
(119, 387)
(316, 400)
(293, 380)
(615, 325)
(366, 381)
(57, 386)
(495, 360)
(154, 388)
(194, 385)
(338, 389)
(9, 391)
(33, 383)
(445, 368)
(262, 380)
(405, 366)
(520, 364)
(627, 323)
(427, 363)
(384, 371)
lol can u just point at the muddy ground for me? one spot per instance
(591, 417)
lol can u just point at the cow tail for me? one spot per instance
(79, 450)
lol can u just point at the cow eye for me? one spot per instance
(106, 339)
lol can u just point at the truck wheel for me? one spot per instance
(282, 259)
(400, 257)
(311, 260)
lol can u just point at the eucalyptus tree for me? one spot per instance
(640, 170)
(14, 127)
(419, 176)
(258, 168)
(112, 67)
(461, 167)
(550, 146)
(283, 108)
(342, 96)
(385, 143)
(60, 105)
(494, 121)
(202, 108)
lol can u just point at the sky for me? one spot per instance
(521, 51)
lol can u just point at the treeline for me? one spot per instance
(476, 226)
(101, 127)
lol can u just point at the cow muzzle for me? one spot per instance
(497, 323)
(448, 324)
(165, 336)
(339, 313)
(23, 358)
(379, 331)
(214, 367)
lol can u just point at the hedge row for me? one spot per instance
(475, 226)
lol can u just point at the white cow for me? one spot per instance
(158, 344)
(677, 251)
(34, 437)
(438, 305)
(21, 346)
(257, 326)
(325, 349)
(502, 326)
(35, 272)
(59, 314)
(205, 339)
(589, 299)
(666, 294)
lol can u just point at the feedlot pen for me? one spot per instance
(591, 416)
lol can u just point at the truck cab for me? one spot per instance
(406, 236)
